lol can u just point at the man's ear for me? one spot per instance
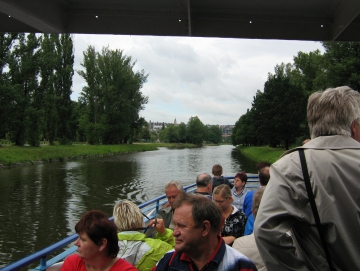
(353, 129)
(206, 228)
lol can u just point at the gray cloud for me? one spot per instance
(215, 79)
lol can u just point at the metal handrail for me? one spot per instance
(42, 254)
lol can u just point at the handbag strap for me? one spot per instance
(313, 208)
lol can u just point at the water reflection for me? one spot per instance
(41, 204)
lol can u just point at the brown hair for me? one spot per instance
(217, 170)
(262, 165)
(97, 226)
(242, 175)
(256, 200)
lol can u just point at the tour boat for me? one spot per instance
(150, 208)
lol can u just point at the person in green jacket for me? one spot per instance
(135, 246)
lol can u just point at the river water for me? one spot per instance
(40, 205)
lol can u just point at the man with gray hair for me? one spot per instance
(333, 162)
(204, 185)
(173, 190)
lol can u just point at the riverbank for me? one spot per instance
(17, 156)
(262, 153)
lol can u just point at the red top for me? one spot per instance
(75, 263)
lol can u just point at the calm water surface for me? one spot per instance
(40, 205)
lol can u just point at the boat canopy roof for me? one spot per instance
(317, 20)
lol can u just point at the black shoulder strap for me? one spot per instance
(313, 207)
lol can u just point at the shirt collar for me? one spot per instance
(215, 258)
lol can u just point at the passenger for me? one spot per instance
(173, 189)
(333, 161)
(204, 185)
(264, 173)
(234, 219)
(218, 179)
(198, 245)
(242, 195)
(264, 177)
(135, 247)
(246, 244)
(97, 246)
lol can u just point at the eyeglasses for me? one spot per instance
(220, 201)
(144, 228)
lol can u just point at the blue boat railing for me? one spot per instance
(150, 207)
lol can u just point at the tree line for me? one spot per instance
(278, 114)
(194, 132)
(36, 83)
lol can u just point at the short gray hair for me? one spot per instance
(202, 209)
(178, 185)
(332, 111)
(203, 179)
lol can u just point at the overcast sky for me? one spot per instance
(212, 78)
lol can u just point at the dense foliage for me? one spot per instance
(36, 74)
(35, 87)
(194, 132)
(278, 114)
(112, 99)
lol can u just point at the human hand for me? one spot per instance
(158, 224)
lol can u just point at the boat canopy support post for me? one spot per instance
(189, 16)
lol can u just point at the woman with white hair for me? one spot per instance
(135, 247)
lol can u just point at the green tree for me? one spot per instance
(163, 135)
(342, 64)
(146, 134)
(7, 92)
(24, 70)
(311, 70)
(47, 61)
(64, 72)
(286, 108)
(112, 97)
(195, 131)
(214, 134)
(172, 133)
(182, 132)
(243, 132)
(91, 99)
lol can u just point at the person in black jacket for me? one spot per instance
(218, 179)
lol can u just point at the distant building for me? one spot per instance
(157, 126)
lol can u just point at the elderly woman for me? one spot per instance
(234, 219)
(97, 246)
(135, 247)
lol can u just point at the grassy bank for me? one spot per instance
(171, 145)
(262, 153)
(14, 155)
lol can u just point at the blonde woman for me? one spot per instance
(135, 247)
(234, 219)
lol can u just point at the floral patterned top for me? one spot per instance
(234, 224)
